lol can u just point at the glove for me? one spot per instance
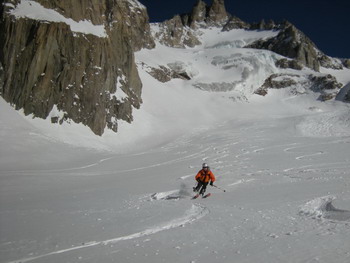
(211, 183)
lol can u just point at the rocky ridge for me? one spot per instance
(299, 51)
(182, 31)
(294, 44)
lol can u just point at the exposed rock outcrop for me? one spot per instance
(180, 31)
(175, 70)
(217, 15)
(165, 74)
(162, 74)
(235, 23)
(277, 81)
(344, 94)
(326, 82)
(262, 25)
(89, 76)
(174, 33)
(329, 62)
(289, 63)
(292, 43)
(346, 63)
(347, 97)
(203, 15)
(197, 16)
(326, 85)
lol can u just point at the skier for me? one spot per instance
(203, 177)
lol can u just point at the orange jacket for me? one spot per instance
(205, 176)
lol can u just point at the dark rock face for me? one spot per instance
(180, 31)
(165, 74)
(328, 62)
(203, 15)
(174, 33)
(292, 43)
(217, 14)
(198, 15)
(326, 85)
(344, 94)
(235, 23)
(82, 74)
(262, 25)
(276, 81)
(289, 63)
(347, 97)
(346, 63)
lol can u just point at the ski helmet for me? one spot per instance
(205, 165)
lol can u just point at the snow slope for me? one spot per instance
(33, 10)
(69, 196)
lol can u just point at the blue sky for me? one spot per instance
(326, 22)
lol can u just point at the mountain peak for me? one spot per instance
(213, 15)
(217, 12)
(198, 13)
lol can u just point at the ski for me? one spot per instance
(204, 196)
(207, 195)
(196, 196)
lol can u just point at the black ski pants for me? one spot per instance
(201, 187)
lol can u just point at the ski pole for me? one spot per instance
(219, 188)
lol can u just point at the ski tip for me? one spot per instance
(207, 195)
(196, 196)
(204, 196)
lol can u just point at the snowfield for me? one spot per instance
(283, 159)
(33, 10)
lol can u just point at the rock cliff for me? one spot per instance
(181, 30)
(73, 60)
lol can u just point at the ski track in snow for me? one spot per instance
(172, 161)
(308, 155)
(242, 181)
(275, 146)
(186, 176)
(327, 165)
(196, 212)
